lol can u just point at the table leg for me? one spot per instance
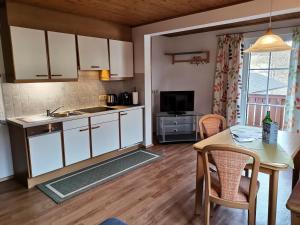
(199, 183)
(273, 191)
(296, 169)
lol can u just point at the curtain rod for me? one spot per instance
(252, 31)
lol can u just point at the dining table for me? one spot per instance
(274, 158)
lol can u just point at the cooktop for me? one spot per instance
(94, 109)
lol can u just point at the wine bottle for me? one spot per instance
(267, 119)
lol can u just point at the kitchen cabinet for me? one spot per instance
(93, 53)
(131, 122)
(121, 59)
(62, 55)
(76, 141)
(57, 147)
(105, 134)
(29, 53)
(45, 153)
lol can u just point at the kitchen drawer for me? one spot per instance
(75, 123)
(105, 137)
(185, 128)
(77, 145)
(177, 120)
(104, 118)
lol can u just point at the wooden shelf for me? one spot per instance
(201, 58)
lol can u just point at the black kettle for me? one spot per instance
(111, 100)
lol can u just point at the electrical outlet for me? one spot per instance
(102, 97)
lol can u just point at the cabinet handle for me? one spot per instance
(123, 114)
(113, 74)
(175, 130)
(56, 75)
(94, 67)
(41, 75)
(175, 122)
(83, 129)
(93, 128)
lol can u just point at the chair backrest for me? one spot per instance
(230, 162)
(211, 124)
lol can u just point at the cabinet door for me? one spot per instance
(62, 55)
(77, 145)
(121, 58)
(45, 153)
(105, 137)
(93, 53)
(29, 53)
(131, 127)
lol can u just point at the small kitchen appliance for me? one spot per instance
(111, 100)
(125, 98)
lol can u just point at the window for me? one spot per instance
(265, 83)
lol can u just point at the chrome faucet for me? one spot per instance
(49, 113)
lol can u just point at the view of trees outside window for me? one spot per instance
(267, 86)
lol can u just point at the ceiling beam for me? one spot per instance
(235, 25)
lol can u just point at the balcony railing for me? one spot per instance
(257, 107)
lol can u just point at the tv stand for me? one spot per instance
(176, 113)
(177, 127)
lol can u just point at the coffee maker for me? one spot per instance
(125, 98)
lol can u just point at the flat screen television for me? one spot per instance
(176, 102)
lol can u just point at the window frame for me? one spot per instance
(246, 74)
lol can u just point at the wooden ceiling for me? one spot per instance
(131, 12)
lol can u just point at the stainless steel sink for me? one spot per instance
(67, 114)
(38, 118)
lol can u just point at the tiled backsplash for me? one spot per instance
(34, 98)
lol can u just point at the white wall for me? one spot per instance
(185, 76)
(242, 12)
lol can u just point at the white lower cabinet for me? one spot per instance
(77, 145)
(105, 137)
(131, 122)
(45, 153)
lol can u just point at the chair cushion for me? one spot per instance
(113, 221)
(211, 126)
(243, 193)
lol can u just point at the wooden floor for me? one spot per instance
(159, 193)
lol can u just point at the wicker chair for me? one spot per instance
(227, 186)
(211, 124)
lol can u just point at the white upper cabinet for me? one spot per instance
(62, 55)
(29, 53)
(121, 59)
(93, 53)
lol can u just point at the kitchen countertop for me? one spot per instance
(47, 120)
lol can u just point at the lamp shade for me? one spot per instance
(269, 43)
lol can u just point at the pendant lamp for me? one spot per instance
(269, 42)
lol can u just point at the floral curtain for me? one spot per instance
(292, 113)
(227, 85)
